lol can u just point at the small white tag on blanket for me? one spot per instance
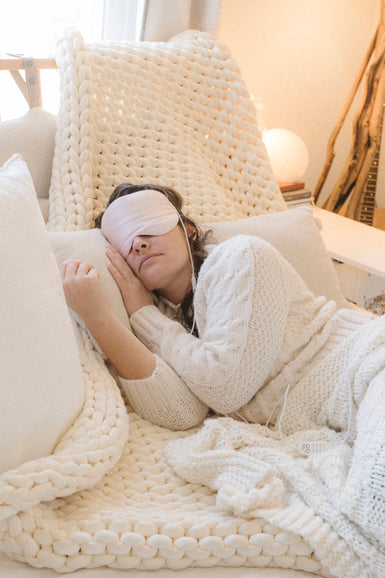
(311, 448)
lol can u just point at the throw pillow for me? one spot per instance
(33, 136)
(42, 389)
(90, 246)
(295, 234)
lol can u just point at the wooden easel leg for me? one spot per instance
(31, 86)
(32, 81)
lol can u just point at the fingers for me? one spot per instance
(123, 281)
(126, 275)
(133, 292)
(70, 269)
(83, 289)
(115, 257)
(118, 267)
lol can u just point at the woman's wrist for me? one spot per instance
(134, 305)
(131, 358)
(101, 325)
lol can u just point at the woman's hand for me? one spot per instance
(134, 293)
(85, 295)
(83, 290)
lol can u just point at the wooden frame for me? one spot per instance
(346, 197)
(30, 86)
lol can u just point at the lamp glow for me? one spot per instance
(288, 154)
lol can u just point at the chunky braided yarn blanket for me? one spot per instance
(174, 113)
(108, 497)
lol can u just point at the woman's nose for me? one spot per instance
(139, 243)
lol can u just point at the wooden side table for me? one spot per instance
(358, 252)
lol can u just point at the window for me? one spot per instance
(30, 28)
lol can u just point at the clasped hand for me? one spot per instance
(82, 288)
(84, 291)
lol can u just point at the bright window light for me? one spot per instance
(30, 28)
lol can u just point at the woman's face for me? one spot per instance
(162, 263)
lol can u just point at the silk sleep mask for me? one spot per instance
(146, 212)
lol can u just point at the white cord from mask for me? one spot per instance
(307, 448)
(193, 279)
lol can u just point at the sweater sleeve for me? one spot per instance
(164, 399)
(241, 303)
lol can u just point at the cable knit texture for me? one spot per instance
(174, 113)
(260, 329)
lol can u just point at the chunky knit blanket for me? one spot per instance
(108, 497)
(174, 113)
(121, 492)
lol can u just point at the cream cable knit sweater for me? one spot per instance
(260, 329)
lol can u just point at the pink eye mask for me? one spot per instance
(146, 212)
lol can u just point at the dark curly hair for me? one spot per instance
(197, 239)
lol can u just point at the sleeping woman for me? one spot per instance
(225, 328)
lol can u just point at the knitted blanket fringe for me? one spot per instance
(174, 113)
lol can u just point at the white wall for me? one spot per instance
(299, 59)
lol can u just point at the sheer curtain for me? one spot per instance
(157, 20)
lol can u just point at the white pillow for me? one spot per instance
(90, 246)
(295, 234)
(42, 389)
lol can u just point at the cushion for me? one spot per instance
(42, 389)
(44, 207)
(90, 246)
(296, 235)
(33, 136)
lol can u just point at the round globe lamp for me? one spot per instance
(288, 154)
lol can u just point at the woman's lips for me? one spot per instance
(147, 258)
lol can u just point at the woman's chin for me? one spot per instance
(150, 284)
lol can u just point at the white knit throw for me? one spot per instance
(334, 499)
(174, 113)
